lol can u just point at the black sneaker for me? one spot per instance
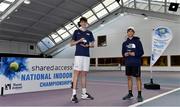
(139, 98)
(74, 99)
(87, 97)
(128, 96)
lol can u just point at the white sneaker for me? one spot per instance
(87, 97)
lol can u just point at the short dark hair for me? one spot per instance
(82, 19)
(130, 29)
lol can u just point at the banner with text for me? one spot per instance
(161, 37)
(19, 75)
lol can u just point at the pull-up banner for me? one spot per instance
(19, 75)
(161, 37)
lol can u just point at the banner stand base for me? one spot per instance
(152, 85)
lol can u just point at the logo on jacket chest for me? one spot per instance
(131, 45)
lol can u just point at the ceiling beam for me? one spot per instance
(23, 39)
(14, 31)
(135, 4)
(165, 6)
(33, 20)
(41, 14)
(24, 26)
(18, 36)
(68, 10)
(149, 5)
(53, 7)
(44, 4)
(83, 5)
(14, 24)
(33, 11)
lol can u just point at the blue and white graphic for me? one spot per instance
(161, 37)
(162, 33)
(12, 66)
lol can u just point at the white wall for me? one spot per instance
(14, 47)
(116, 34)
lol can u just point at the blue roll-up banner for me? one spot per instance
(20, 75)
(161, 37)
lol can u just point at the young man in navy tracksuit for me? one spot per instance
(132, 51)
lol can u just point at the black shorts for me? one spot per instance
(134, 71)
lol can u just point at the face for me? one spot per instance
(130, 33)
(84, 24)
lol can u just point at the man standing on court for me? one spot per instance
(83, 40)
(132, 51)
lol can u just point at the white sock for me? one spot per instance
(73, 92)
(84, 91)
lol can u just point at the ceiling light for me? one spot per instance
(8, 18)
(145, 18)
(122, 14)
(16, 10)
(102, 25)
(27, 2)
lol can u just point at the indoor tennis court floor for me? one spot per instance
(108, 88)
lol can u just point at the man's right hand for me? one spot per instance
(76, 42)
(126, 54)
(81, 40)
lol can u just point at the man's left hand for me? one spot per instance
(132, 53)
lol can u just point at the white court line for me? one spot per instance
(153, 98)
(120, 84)
(108, 81)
